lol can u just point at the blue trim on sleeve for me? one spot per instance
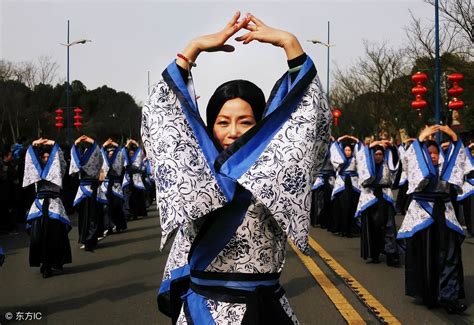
(49, 163)
(246, 156)
(339, 150)
(369, 160)
(465, 195)
(421, 226)
(449, 165)
(429, 163)
(421, 159)
(365, 207)
(191, 113)
(75, 156)
(454, 227)
(34, 159)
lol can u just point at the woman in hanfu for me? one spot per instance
(110, 191)
(47, 221)
(345, 194)
(321, 204)
(235, 190)
(466, 199)
(377, 167)
(86, 161)
(133, 186)
(433, 267)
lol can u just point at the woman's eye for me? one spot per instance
(222, 123)
(247, 123)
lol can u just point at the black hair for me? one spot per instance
(242, 89)
(430, 143)
(347, 144)
(377, 148)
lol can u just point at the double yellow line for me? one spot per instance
(340, 302)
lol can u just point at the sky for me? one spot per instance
(131, 39)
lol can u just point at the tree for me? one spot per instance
(456, 31)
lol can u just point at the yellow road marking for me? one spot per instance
(374, 305)
(341, 303)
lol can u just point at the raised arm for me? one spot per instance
(263, 33)
(212, 42)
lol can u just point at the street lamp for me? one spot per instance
(328, 45)
(68, 45)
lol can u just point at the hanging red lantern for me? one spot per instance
(336, 114)
(455, 91)
(77, 118)
(59, 119)
(419, 90)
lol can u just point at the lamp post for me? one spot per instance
(437, 73)
(328, 45)
(68, 45)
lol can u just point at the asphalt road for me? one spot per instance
(117, 283)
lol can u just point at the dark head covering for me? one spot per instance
(349, 144)
(242, 89)
(430, 143)
(377, 148)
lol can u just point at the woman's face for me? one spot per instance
(234, 119)
(348, 152)
(434, 154)
(44, 158)
(378, 157)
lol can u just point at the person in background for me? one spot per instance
(86, 161)
(377, 167)
(433, 266)
(47, 221)
(345, 194)
(321, 205)
(8, 177)
(110, 192)
(133, 186)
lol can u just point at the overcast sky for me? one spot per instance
(130, 38)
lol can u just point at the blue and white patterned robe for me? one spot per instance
(115, 163)
(88, 165)
(136, 163)
(52, 173)
(420, 170)
(344, 167)
(276, 167)
(367, 175)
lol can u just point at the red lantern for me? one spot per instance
(336, 114)
(77, 118)
(419, 90)
(455, 91)
(59, 119)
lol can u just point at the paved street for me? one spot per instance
(116, 284)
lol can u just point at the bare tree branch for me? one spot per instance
(47, 70)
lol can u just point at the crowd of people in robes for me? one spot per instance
(435, 185)
(106, 185)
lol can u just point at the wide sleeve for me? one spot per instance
(337, 155)
(454, 165)
(186, 187)
(74, 165)
(365, 166)
(417, 168)
(282, 176)
(33, 169)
